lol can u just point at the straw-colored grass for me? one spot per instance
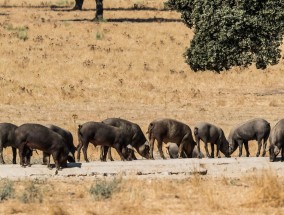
(196, 195)
(64, 74)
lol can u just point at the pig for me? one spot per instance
(170, 130)
(276, 140)
(209, 133)
(31, 136)
(172, 150)
(68, 139)
(255, 129)
(102, 134)
(7, 133)
(138, 141)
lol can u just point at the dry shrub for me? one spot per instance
(212, 199)
(32, 193)
(274, 103)
(104, 189)
(267, 190)
(6, 190)
(57, 210)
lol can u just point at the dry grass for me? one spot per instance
(64, 74)
(269, 190)
(196, 195)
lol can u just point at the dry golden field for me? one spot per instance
(58, 66)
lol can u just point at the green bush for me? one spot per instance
(6, 190)
(31, 194)
(232, 33)
(104, 189)
(21, 32)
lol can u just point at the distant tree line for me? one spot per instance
(230, 33)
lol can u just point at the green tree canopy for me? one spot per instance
(232, 33)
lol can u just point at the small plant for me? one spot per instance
(64, 3)
(21, 32)
(6, 190)
(139, 5)
(99, 35)
(104, 189)
(31, 194)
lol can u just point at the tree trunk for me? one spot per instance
(99, 9)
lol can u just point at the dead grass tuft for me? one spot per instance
(57, 210)
(267, 190)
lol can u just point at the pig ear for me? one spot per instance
(276, 150)
(70, 155)
(130, 147)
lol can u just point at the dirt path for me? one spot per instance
(179, 168)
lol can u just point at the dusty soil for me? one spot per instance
(145, 169)
(58, 66)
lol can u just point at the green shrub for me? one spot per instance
(31, 194)
(104, 189)
(64, 3)
(232, 33)
(99, 36)
(21, 32)
(6, 190)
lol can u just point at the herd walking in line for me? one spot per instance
(127, 138)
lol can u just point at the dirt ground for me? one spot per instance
(58, 66)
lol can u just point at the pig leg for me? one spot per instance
(160, 144)
(180, 149)
(218, 150)
(132, 155)
(118, 148)
(1, 152)
(48, 162)
(206, 148)
(247, 148)
(14, 154)
(109, 156)
(44, 158)
(151, 148)
(259, 142)
(56, 156)
(127, 153)
(198, 146)
(240, 144)
(212, 150)
(79, 147)
(28, 154)
(85, 147)
(264, 146)
(21, 153)
(103, 152)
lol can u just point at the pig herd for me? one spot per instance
(127, 138)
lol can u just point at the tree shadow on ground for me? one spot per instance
(66, 9)
(69, 8)
(134, 20)
(31, 6)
